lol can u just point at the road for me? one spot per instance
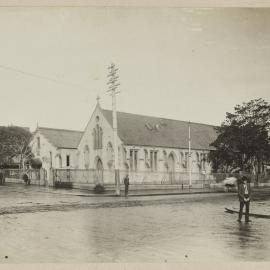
(43, 225)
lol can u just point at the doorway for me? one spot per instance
(99, 171)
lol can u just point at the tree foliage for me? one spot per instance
(35, 163)
(14, 145)
(243, 138)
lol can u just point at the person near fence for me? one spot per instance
(1, 177)
(26, 178)
(126, 183)
(244, 192)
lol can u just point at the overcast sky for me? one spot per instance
(186, 64)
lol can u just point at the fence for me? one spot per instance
(107, 177)
(91, 176)
(83, 176)
(167, 178)
(37, 177)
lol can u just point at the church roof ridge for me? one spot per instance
(61, 129)
(162, 118)
(143, 130)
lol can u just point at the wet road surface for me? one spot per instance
(39, 225)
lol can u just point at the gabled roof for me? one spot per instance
(144, 130)
(61, 138)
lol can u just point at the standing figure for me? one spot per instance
(126, 183)
(1, 177)
(244, 192)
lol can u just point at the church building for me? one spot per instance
(56, 148)
(151, 149)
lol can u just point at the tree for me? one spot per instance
(243, 138)
(256, 111)
(14, 143)
(35, 163)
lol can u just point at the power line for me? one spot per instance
(38, 76)
(47, 78)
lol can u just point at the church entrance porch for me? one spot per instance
(99, 171)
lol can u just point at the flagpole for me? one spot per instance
(189, 155)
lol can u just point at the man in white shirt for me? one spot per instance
(244, 192)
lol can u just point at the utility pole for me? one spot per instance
(113, 84)
(189, 155)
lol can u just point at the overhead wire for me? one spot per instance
(44, 77)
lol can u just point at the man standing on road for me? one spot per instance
(244, 191)
(1, 176)
(126, 183)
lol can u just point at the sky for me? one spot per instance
(179, 63)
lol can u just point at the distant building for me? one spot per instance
(147, 145)
(56, 148)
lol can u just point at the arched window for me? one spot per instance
(124, 154)
(109, 154)
(86, 157)
(94, 138)
(145, 155)
(97, 136)
(186, 160)
(203, 160)
(164, 155)
(181, 158)
(38, 146)
(153, 159)
(198, 157)
(133, 159)
(146, 159)
(100, 137)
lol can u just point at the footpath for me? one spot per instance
(17, 198)
(138, 193)
(135, 192)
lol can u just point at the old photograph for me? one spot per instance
(134, 134)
